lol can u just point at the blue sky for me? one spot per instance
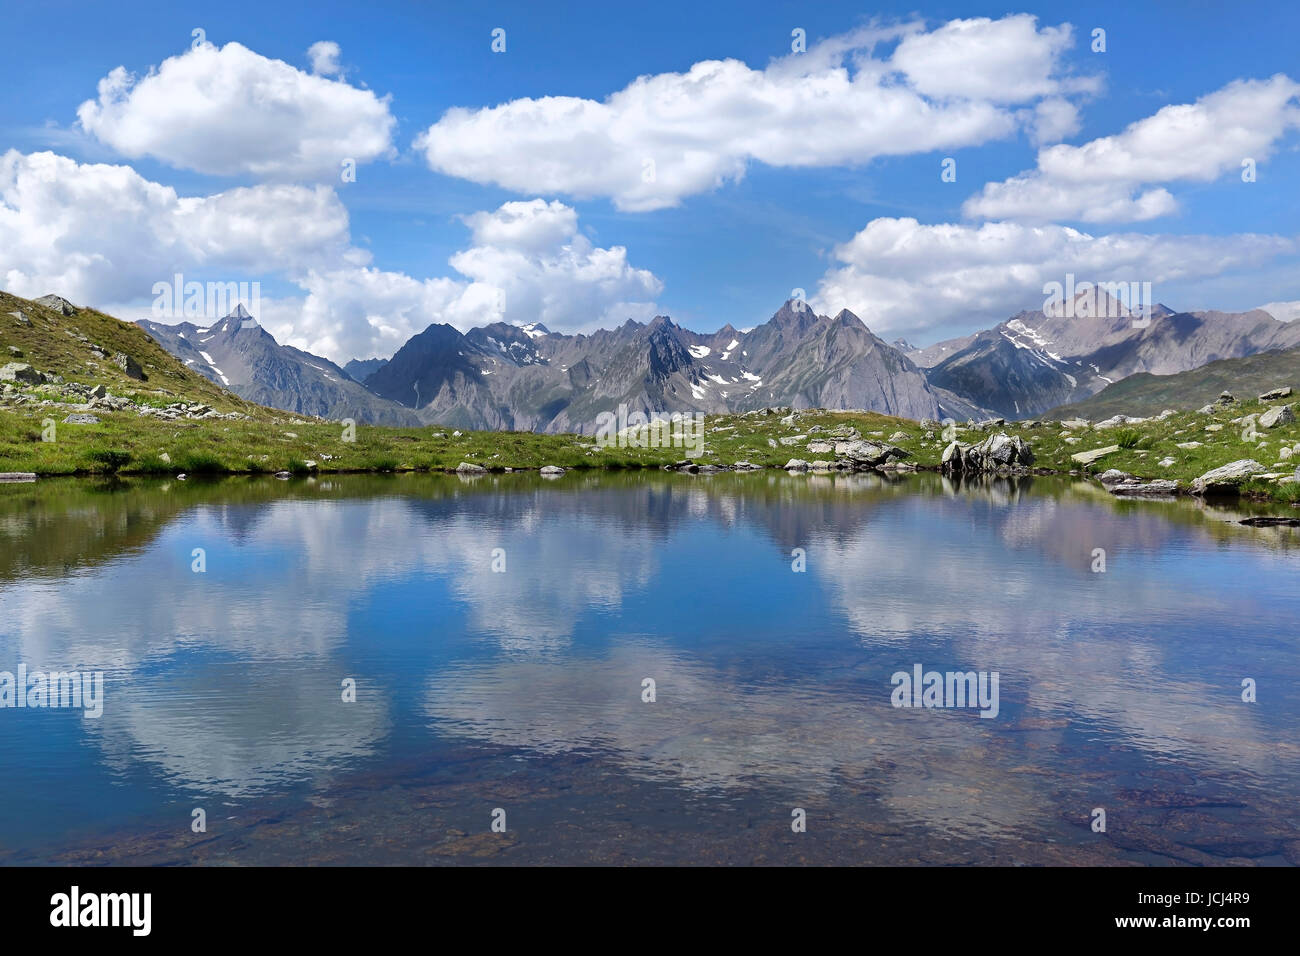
(730, 251)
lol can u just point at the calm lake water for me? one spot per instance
(521, 690)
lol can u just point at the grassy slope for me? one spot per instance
(50, 344)
(271, 440)
(1144, 394)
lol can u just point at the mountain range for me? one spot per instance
(502, 376)
(237, 353)
(1037, 361)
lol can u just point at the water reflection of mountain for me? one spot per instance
(54, 527)
(992, 576)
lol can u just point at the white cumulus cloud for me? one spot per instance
(527, 263)
(1116, 178)
(102, 235)
(670, 135)
(324, 56)
(899, 275)
(230, 111)
(99, 233)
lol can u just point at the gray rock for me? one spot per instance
(997, 453)
(1226, 398)
(1277, 415)
(746, 466)
(20, 372)
(77, 418)
(1276, 393)
(1088, 457)
(868, 454)
(1118, 420)
(22, 318)
(821, 447)
(796, 464)
(466, 468)
(1113, 476)
(129, 365)
(1134, 488)
(57, 304)
(551, 471)
(99, 391)
(1226, 479)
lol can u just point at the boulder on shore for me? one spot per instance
(868, 454)
(1227, 479)
(997, 453)
(1124, 485)
(465, 468)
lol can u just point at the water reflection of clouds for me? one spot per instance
(1011, 589)
(709, 731)
(998, 579)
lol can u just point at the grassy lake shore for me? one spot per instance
(129, 442)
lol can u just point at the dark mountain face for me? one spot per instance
(1034, 362)
(360, 369)
(240, 355)
(503, 376)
